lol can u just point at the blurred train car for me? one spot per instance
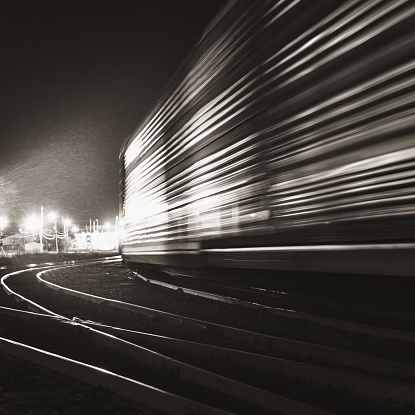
(285, 141)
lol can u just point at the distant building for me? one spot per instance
(17, 243)
(32, 247)
(16, 239)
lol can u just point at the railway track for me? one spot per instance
(371, 307)
(231, 361)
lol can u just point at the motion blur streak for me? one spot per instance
(291, 124)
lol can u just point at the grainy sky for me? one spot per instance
(76, 81)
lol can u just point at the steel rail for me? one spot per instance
(162, 364)
(238, 390)
(376, 388)
(140, 393)
(260, 341)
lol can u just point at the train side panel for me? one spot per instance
(286, 141)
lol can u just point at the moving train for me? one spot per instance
(286, 141)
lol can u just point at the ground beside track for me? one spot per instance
(117, 282)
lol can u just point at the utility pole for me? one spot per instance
(56, 235)
(117, 234)
(66, 224)
(41, 229)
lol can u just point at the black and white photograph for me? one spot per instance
(207, 207)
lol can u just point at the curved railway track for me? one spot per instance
(230, 368)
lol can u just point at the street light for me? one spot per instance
(32, 223)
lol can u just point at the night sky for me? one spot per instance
(76, 81)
